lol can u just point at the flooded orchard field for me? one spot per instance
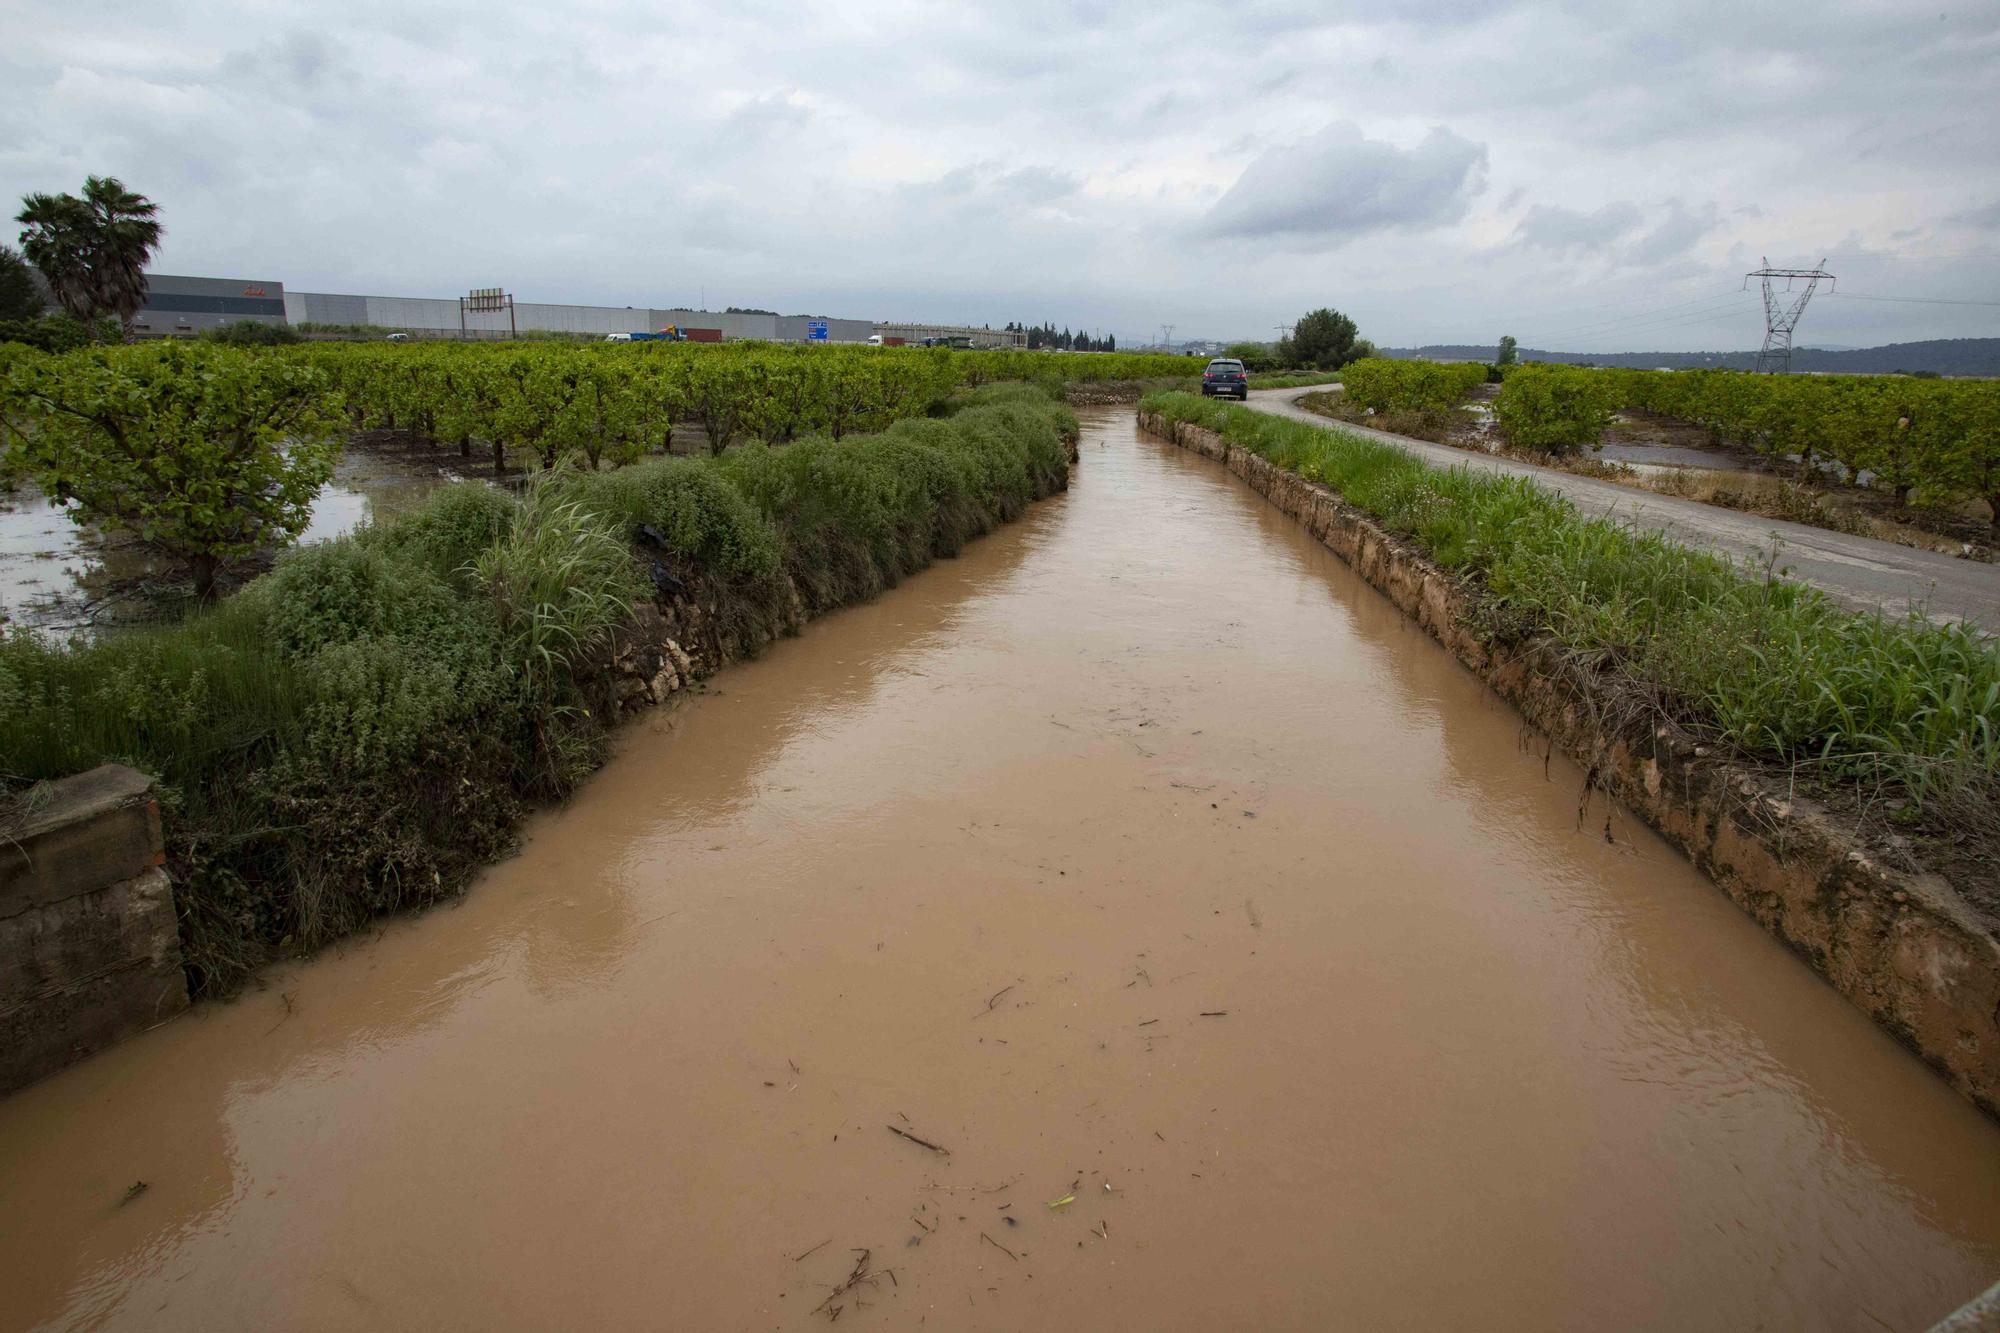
(59, 577)
(1134, 923)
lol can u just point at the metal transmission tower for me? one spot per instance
(1782, 309)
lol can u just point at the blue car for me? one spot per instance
(1225, 375)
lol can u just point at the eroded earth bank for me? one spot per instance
(1142, 857)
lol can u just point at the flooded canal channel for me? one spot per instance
(1226, 941)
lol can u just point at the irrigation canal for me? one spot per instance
(1142, 858)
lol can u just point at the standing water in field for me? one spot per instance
(59, 577)
(1134, 923)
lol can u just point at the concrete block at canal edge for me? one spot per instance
(1979, 1315)
(89, 948)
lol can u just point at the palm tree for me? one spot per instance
(93, 250)
(52, 239)
(20, 296)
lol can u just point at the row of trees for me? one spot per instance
(1045, 338)
(1929, 441)
(209, 452)
(1409, 386)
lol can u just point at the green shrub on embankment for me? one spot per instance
(1410, 386)
(1554, 409)
(1771, 667)
(361, 729)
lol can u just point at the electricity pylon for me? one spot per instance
(1782, 310)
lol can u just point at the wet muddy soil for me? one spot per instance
(1134, 923)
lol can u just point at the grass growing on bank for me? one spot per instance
(361, 729)
(1774, 668)
(1292, 379)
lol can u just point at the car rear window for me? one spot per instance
(1225, 365)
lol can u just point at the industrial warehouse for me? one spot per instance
(178, 306)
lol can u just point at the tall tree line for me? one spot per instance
(1046, 336)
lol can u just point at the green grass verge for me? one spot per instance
(361, 729)
(1740, 656)
(1292, 379)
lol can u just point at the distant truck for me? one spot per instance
(673, 333)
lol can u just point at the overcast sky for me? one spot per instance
(1584, 175)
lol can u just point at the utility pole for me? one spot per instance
(1782, 310)
(1167, 336)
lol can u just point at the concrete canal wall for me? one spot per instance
(89, 948)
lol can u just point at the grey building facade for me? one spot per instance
(181, 307)
(427, 316)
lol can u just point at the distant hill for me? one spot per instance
(1943, 356)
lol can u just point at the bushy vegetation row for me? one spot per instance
(1554, 409)
(611, 402)
(209, 452)
(1931, 441)
(359, 730)
(1773, 668)
(1409, 386)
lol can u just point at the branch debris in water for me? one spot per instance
(923, 1143)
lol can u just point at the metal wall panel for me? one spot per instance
(583, 318)
(441, 317)
(418, 312)
(329, 308)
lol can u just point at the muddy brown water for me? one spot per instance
(974, 862)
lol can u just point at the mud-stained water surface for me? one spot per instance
(1225, 938)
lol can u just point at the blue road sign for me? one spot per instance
(816, 330)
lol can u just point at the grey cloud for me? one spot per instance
(1338, 184)
(1619, 230)
(1567, 230)
(969, 161)
(1037, 185)
(1983, 218)
(771, 114)
(1675, 234)
(986, 189)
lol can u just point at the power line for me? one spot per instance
(1645, 312)
(1712, 317)
(1590, 330)
(1666, 314)
(1919, 301)
(1863, 256)
(1613, 305)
